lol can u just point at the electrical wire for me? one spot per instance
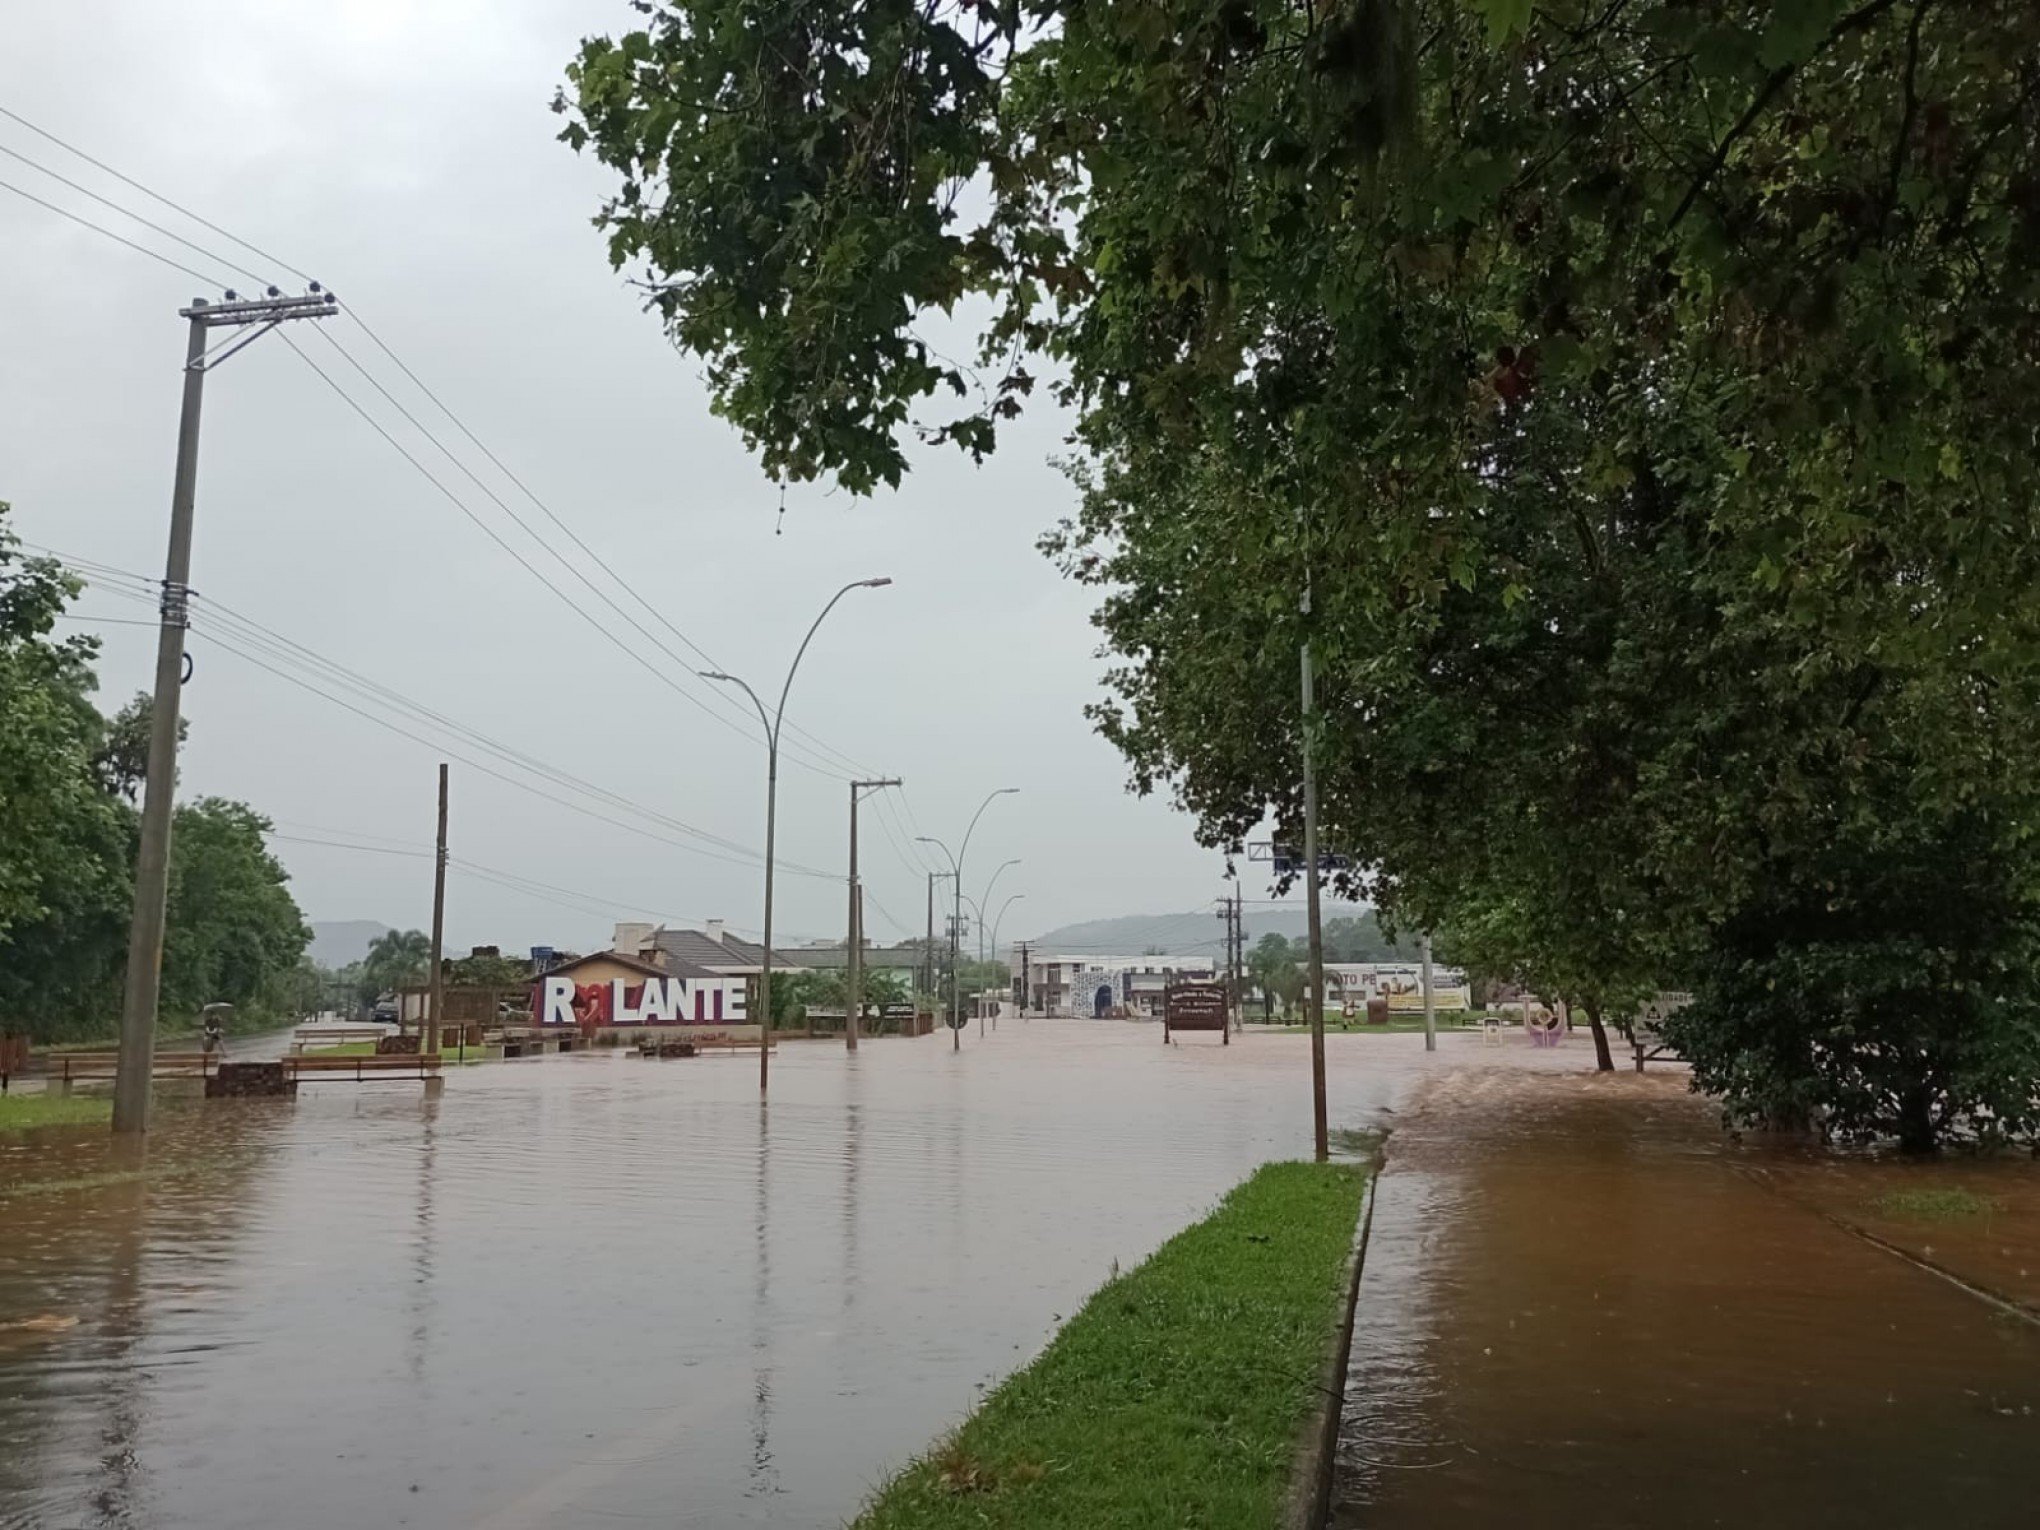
(274, 645)
(594, 557)
(104, 201)
(793, 755)
(129, 180)
(141, 249)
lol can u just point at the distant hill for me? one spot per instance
(337, 942)
(1202, 933)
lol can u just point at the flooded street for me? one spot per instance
(591, 1289)
(574, 1291)
(1583, 1305)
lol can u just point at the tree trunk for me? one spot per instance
(1604, 1060)
(1916, 1133)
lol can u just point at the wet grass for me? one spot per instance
(1176, 1396)
(20, 1112)
(1948, 1204)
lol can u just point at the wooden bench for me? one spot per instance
(1649, 1045)
(67, 1068)
(359, 1069)
(339, 1035)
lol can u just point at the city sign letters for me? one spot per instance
(655, 1001)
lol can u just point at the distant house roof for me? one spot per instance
(727, 957)
(618, 959)
(672, 967)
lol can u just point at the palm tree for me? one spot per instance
(397, 957)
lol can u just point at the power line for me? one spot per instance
(105, 201)
(140, 249)
(594, 557)
(157, 195)
(523, 562)
(284, 650)
(823, 767)
(525, 526)
(217, 641)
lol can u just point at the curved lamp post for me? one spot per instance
(997, 920)
(956, 869)
(771, 724)
(984, 903)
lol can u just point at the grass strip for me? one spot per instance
(1934, 1205)
(1176, 1397)
(19, 1112)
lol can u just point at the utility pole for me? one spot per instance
(438, 923)
(853, 972)
(928, 949)
(1430, 1009)
(1024, 950)
(1321, 1135)
(159, 794)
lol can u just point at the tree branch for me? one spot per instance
(1854, 21)
(1912, 108)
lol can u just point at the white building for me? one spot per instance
(1401, 983)
(1094, 986)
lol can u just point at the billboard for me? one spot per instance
(1195, 1007)
(655, 1001)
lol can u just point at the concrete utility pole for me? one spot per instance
(438, 991)
(159, 793)
(928, 950)
(853, 956)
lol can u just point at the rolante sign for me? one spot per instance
(655, 1001)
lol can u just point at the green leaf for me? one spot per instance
(1506, 18)
(1795, 30)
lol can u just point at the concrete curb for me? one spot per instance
(1308, 1500)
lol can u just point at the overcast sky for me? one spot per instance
(404, 154)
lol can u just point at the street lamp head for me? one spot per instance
(1007, 791)
(876, 584)
(713, 674)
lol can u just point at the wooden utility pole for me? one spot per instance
(853, 955)
(438, 990)
(143, 984)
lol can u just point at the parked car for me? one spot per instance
(385, 1012)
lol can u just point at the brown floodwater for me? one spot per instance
(1584, 1305)
(593, 1290)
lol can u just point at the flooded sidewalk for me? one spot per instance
(1585, 1305)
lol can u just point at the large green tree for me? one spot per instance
(1629, 403)
(68, 834)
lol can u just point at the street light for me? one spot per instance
(984, 903)
(956, 868)
(771, 726)
(999, 919)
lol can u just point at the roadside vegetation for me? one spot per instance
(1176, 1396)
(74, 776)
(1944, 1204)
(20, 1112)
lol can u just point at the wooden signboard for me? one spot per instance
(1195, 1007)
